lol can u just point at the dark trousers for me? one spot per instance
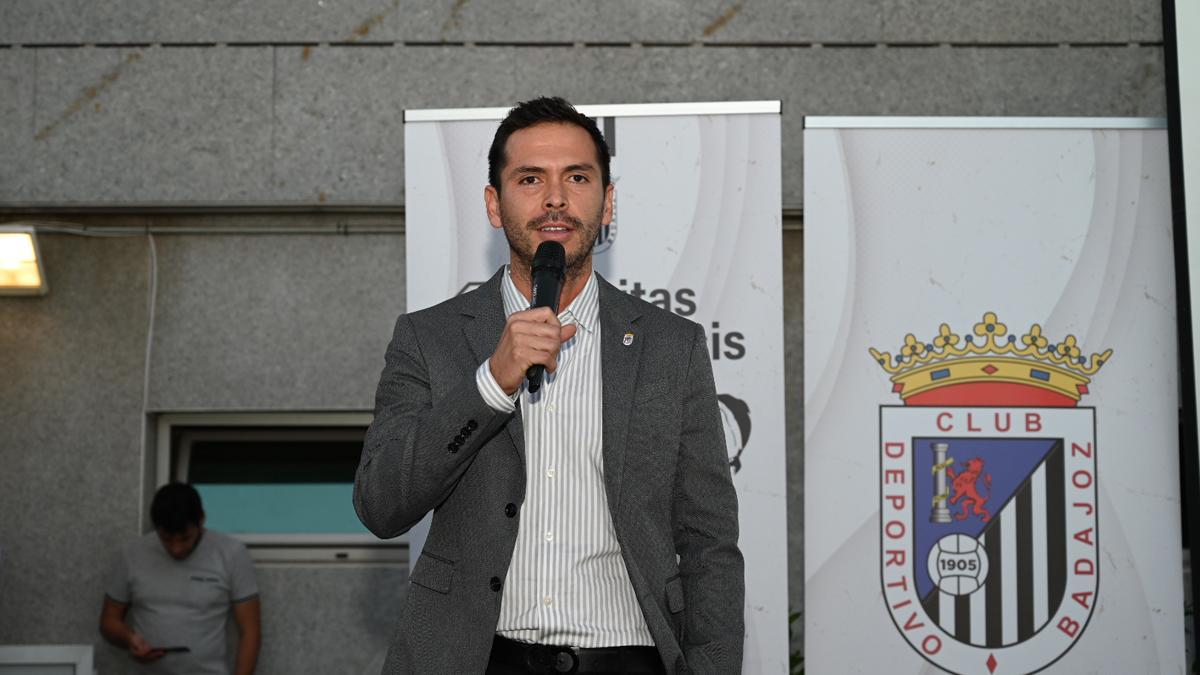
(518, 658)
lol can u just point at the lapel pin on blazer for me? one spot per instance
(627, 340)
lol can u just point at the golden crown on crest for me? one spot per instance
(990, 355)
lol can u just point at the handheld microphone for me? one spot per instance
(548, 272)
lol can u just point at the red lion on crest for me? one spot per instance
(965, 490)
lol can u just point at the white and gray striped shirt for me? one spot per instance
(567, 584)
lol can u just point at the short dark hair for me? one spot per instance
(175, 506)
(537, 111)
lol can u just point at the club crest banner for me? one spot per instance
(696, 231)
(1022, 433)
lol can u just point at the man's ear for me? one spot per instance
(607, 216)
(491, 199)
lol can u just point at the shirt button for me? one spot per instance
(550, 408)
(495, 584)
(549, 536)
(549, 473)
(546, 600)
(510, 509)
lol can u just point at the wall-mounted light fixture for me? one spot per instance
(20, 262)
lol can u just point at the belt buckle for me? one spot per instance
(551, 659)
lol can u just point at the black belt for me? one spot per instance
(538, 658)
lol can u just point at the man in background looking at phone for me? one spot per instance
(171, 591)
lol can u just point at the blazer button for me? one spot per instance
(458, 440)
(472, 425)
(510, 509)
(452, 447)
(496, 585)
(465, 431)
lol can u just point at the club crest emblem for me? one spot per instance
(988, 528)
(735, 418)
(606, 236)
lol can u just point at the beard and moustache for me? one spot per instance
(522, 242)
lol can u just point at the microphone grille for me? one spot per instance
(550, 255)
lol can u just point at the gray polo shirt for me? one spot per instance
(184, 603)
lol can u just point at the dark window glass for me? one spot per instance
(256, 480)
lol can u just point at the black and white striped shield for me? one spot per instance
(988, 532)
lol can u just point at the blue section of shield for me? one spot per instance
(1009, 462)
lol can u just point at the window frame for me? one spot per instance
(298, 547)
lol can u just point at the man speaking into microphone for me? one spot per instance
(584, 519)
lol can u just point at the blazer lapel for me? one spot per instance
(482, 331)
(620, 358)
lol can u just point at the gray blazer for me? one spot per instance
(435, 444)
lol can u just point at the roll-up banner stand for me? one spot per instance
(991, 397)
(696, 231)
(1181, 60)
